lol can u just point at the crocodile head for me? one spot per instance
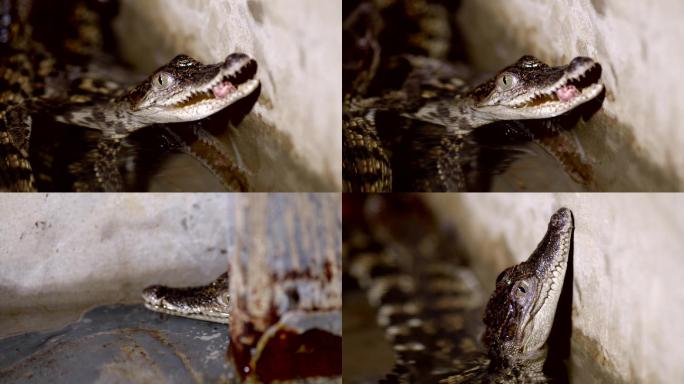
(520, 312)
(530, 89)
(187, 90)
(183, 90)
(210, 302)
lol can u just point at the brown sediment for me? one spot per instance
(286, 288)
(289, 355)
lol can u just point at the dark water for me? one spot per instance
(119, 343)
(366, 355)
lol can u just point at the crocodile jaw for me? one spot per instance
(548, 106)
(204, 102)
(195, 91)
(551, 260)
(183, 90)
(215, 317)
(553, 92)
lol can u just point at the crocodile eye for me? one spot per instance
(506, 81)
(163, 80)
(522, 289)
(225, 298)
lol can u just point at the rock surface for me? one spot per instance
(119, 344)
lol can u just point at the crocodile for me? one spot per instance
(47, 82)
(428, 307)
(209, 302)
(423, 130)
(180, 91)
(520, 313)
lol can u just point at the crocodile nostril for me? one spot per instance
(561, 218)
(235, 58)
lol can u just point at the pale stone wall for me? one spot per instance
(635, 142)
(292, 139)
(64, 253)
(627, 302)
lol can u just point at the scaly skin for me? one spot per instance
(209, 302)
(427, 302)
(413, 271)
(24, 64)
(417, 128)
(520, 312)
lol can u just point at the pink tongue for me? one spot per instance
(567, 92)
(222, 90)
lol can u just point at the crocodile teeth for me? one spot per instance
(570, 87)
(228, 86)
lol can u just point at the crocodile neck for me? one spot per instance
(210, 302)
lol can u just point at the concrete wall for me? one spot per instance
(60, 254)
(291, 140)
(627, 303)
(635, 142)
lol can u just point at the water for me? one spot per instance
(119, 343)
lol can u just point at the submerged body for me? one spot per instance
(520, 313)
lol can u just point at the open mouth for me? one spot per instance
(575, 88)
(206, 316)
(228, 87)
(158, 304)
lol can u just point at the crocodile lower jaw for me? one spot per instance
(216, 318)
